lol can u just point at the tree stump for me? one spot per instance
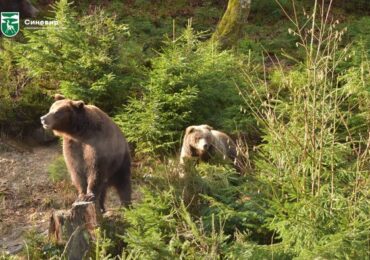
(75, 228)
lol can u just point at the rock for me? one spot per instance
(14, 249)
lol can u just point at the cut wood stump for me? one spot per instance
(75, 228)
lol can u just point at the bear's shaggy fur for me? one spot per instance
(96, 153)
(203, 142)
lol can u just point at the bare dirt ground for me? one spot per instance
(26, 193)
(28, 196)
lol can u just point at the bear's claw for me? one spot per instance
(89, 196)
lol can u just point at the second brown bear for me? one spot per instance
(201, 141)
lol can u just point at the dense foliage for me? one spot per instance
(309, 193)
(305, 194)
(22, 101)
(86, 59)
(191, 82)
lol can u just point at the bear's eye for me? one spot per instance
(58, 113)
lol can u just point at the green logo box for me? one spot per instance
(10, 23)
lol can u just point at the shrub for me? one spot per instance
(359, 32)
(314, 159)
(101, 246)
(86, 59)
(38, 247)
(191, 83)
(196, 216)
(58, 170)
(22, 101)
(356, 85)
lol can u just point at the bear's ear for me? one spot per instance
(207, 127)
(58, 97)
(78, 104)
(189, 129)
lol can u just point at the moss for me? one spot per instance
(230, 28)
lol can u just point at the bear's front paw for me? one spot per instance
(89, 196)
(81, 197)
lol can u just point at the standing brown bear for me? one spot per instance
(96, 153)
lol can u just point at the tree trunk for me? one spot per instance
(230, 28)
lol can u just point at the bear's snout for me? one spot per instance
(203, 144)
(44, 121)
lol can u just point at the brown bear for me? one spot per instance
(203, 142)
(96, 153)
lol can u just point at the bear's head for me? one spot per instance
(63, 115)
(199, 138)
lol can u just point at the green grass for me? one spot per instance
(58, 170)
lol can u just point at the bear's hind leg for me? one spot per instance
(103, 193)
(124, 192)
(122, 183)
